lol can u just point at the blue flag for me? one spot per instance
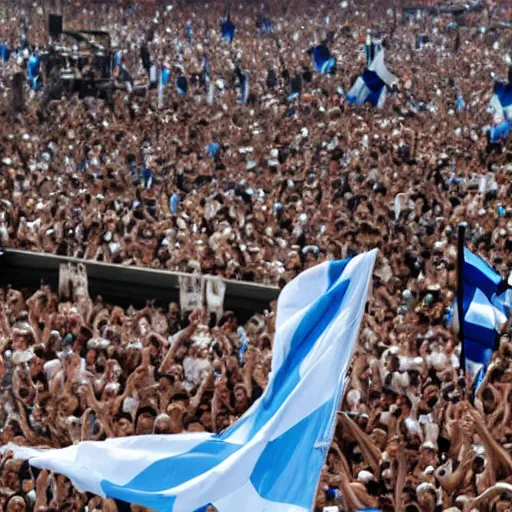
(323, 60)
(5, 52)
(174, 202)
(501, 101)
(190, 33)
(461, 104)
(483, 313)
(182, 85)
(373, 85)
(33, 70)
(227, 30)
(148, 178)
(213, 149)
(266, 25)
(166, 75)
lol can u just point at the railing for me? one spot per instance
(125, 285)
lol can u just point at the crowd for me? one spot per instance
(260, 191)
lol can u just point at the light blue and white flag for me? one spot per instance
(485, 310)
(501, 102)
(33, 71)
(499, 132)
(271, 458)
(372, 86)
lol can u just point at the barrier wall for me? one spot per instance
(125, 285)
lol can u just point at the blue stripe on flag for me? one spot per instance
(173, 471)
(368, 88)
(480, 317)
(504, 93)
(312, 325)
(500, 131)
(476, 354)
(336, 268)
(479, 273)
(277, 477)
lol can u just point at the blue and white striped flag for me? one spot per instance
(484, 313)
(271, 458)
(499, 132)
(372, 86)
(501, 102)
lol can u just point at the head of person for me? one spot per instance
(123, 425)
(162, 425)
(145, 420)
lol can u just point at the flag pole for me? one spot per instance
(460, 291)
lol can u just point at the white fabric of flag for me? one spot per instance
(373, 85)
(485, 312)
(271, 458)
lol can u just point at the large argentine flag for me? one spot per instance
(372, 86)
(270, 460)
(484, 312)
(501, 102)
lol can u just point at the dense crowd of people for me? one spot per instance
(259, 191)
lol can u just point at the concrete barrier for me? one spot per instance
(125, 285)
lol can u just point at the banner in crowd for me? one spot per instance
(271, 458)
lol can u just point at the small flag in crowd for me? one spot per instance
(147, 176)
(213, 149)
(461, 104)
(501, 102)
(484, 310)
(373, 85)
(5, 52)
(33, 70)
(118, 56)
(182, 85)
(265, 25)
(190, 33)
(421, 41)
(227, 30)
(174, 202)
(166, 75)
(323, 60)
(272, 457)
